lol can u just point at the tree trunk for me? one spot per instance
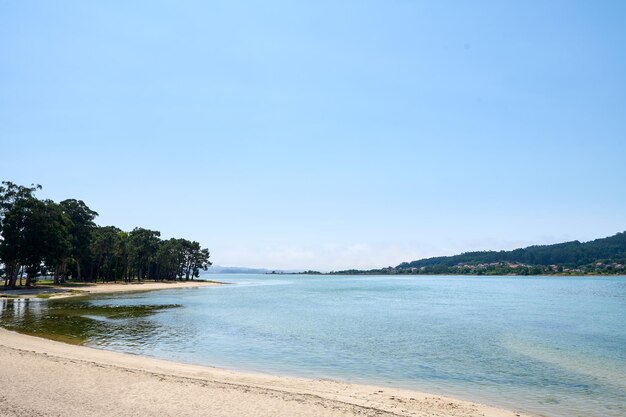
(12, 272)
(29, 279)
(63, 271)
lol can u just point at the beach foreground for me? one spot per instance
(41, 377)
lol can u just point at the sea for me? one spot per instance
(552, 346)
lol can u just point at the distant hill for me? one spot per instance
(600, 256)
(604, 254)
(216, 269)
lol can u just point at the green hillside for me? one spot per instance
(606, 255)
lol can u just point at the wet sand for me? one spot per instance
(41, 377)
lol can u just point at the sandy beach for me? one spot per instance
(40, 377)
(59, 291)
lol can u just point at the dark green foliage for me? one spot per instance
(82, 225)
(43, 237)
(142, 249)
(35, 234)
(108, 253)
(13, 201)
(600, 256)
(557, 258)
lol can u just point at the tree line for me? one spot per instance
(573, 254)
(41, 237)
(605, 256)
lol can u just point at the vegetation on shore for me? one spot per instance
(44, 238)
(606, 256)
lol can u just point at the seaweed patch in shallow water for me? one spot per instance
(73, 321)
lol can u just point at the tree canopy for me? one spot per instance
(41, 237)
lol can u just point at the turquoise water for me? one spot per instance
(551, 346)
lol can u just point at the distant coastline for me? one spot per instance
(393, 271)
(605, 256)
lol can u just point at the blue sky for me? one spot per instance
(323, 134)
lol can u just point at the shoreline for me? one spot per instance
(459, 275)
(85, 289)
(94, 379)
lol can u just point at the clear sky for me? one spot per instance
(323, 134)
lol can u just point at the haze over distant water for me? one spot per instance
(320, 134)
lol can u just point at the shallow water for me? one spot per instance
(547, 345)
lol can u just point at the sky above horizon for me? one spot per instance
(323, 134)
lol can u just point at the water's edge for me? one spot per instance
(271, 326)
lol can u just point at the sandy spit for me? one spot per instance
(106, 288)
(145, 286)
(40, 377)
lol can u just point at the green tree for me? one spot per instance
(35, 233)
(170, 258)
(82, 218)
(142, 249)
(10, 195)
(41, 235)
(104, 249)
(195, 259)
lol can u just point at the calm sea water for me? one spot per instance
(551, 346)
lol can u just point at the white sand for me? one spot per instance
(144, 286)
(60, 291)
(40, 377)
